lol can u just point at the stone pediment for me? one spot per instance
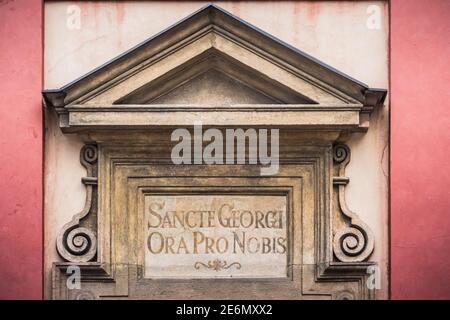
(197, 91)
(211, 53)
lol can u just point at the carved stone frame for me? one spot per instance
(327, 269)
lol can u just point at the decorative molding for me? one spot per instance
(122, 166)
(217, 265)
(76, 243)
(354, 243)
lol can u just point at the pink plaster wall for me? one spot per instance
(420, 149)
(20, 149)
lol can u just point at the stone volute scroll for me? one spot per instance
(354, 243)
(76, 243)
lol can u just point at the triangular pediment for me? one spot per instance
(198, 91)
(211, 78)
(213, 58)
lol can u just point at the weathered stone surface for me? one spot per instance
(215, 236)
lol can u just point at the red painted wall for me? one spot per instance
(20, 149)
(420, 149)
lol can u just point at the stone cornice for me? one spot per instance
(221, 34)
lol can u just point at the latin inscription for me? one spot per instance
(215, 236)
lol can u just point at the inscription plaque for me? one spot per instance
(215, 236)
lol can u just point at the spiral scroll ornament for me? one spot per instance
(354, 243)
(349, 245)
(76, 243)
(81, 242)
(89, 155)
(341, 153)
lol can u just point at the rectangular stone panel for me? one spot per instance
(215, 236)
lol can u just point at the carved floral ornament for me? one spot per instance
(217, 265)
(129, 102)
